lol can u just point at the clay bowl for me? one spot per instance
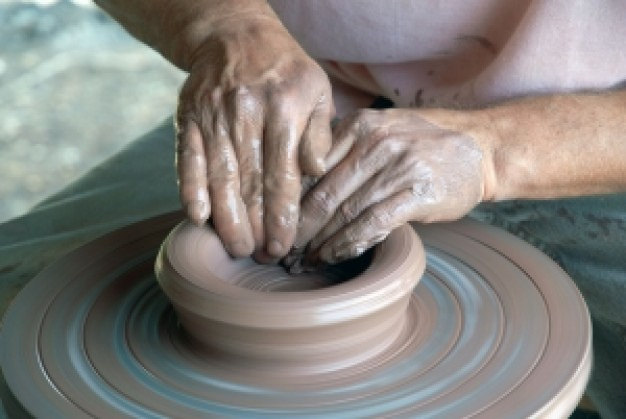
(259, 316)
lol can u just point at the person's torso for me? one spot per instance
(424, 52)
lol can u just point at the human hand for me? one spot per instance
(253, 116)
(392, 166)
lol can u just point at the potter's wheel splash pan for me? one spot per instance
(494, 329)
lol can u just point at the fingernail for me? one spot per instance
(320, 165)
(238, 249)
(274, 248)
(197, 211)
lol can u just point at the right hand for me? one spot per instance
(253, 116)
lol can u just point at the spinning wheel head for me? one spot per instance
(493, 328)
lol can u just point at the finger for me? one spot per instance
(246, 132)
(378, 188)
(316, 141)
(191, 168)
(368, 229)
(281, 175)
(344, 135)
(320, 204)
(262, 256)
(228, 211)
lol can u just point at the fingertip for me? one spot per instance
(262, 257)
(325, 254)
(240, 248)
(312, 158)
(331, 255)
(198, 212)
(276, 249)
(234, 230)
(316, 143)
(315, 166)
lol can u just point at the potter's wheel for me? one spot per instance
(495, 333)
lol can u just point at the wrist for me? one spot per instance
(480, 127)
(209, 25)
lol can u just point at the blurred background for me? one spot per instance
(74, 89)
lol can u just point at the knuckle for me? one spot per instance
(223, 168)
(250, 169)
(361, 124)
(276, 90)
(283, 183)
(376, 138)
(352, 235)
(242, 96)
(322, 203)
(283, 216)
(240, 91)
(347, 212)
(252, 191)
(283, 104)
(368, 163)
(378, 216)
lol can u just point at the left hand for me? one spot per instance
(392, 166)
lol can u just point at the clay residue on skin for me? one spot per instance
(251, 121)
(397, 167)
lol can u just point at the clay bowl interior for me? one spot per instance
(261, 317)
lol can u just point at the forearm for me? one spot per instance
(550, 147)
(560, 146)
(177, 28)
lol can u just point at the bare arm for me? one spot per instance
(177, 28)
(549, 147)
(431, 165)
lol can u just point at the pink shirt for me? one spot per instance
(463, 53)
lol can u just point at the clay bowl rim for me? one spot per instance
(396, 267)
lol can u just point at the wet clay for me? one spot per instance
(266, 319)
(493, 329)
